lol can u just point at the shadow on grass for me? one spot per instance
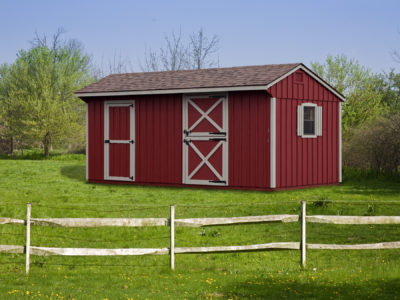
(370, 187)
(280, 288)
(76, 172)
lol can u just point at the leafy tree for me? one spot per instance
(39, 104)
(390, 90)
(359, 85)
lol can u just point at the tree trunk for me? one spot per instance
(11, 145)
(46, 144)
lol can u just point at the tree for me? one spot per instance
(39, 104)
(375, 145)
(117, 65)
(176, 54)
(10, 113)
(359, 85)
(390, 90)
(202, 50)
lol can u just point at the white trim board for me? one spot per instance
(87, 141)
(340, 142)
(215, 89)
(119, 103)
(272, 143)
(176, 91)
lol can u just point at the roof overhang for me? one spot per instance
(176, 91)
(214, 89)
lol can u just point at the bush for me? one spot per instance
(375, 145)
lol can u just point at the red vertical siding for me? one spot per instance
(249, 118)
(305, 161)
(159, 139)
(96, 139)
(158, 144)
(299, 161)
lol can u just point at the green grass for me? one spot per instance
(56, 187)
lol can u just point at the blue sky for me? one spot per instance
(250, 32)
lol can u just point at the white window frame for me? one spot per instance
(317, 122)
(107, 105)
(199, 136)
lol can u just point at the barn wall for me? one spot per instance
(305, 161)
(159, 139)
(96, 139)
(158, 145)
(249, 115)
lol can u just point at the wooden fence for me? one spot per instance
(192, 222)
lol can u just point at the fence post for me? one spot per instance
(28, 236)
(303, 233)
(172, 224)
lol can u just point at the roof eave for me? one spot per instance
(214, 89)
(174, 91)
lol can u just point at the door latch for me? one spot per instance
(217, 181)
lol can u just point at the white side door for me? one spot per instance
(119, 140)
(205, 140)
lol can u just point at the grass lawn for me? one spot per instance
(57, 188)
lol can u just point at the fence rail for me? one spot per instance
(193, 222)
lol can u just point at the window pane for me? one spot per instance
(309, 117)
(309, 113)
(309, 127)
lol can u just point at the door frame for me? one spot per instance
(119, 103)
(205, 136)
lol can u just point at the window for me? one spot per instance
(309, 120)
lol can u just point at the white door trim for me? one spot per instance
(189, 136)
(107, 105)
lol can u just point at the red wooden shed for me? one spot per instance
(254, 127)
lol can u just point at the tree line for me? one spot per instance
(38, 108)
(370, 115)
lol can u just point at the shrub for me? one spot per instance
(375, 145)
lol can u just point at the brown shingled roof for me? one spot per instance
(188, 79)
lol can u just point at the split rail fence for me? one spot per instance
(28, 249)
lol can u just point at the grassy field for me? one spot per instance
(57, 188)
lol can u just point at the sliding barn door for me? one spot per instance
(205, 140)
(119, 141)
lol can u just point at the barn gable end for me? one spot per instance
(305, 161)
(300, 85)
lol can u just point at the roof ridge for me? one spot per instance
(205, 69)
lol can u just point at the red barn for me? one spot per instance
(256, 127)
